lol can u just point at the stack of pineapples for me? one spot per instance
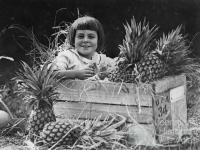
(142, 58)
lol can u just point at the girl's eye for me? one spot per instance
(80, 36)
(91, 36)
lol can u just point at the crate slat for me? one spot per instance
(91, 110)
(108, 93)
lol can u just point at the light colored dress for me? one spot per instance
(69, 59)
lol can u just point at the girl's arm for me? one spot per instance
(81, 74)
(69, 74)
(62, 63)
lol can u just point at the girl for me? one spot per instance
(81, 61)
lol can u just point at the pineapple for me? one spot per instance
(89, 134)
(40, 89)
(54, 131)
(150, 68)
(139, 62)
(170, 57)
(173, 51)
(136, 45)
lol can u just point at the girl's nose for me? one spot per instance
(85, 38)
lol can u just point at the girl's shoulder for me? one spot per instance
(66, 53)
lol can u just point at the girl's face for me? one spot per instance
(86, 42)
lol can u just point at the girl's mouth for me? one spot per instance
(85, 46)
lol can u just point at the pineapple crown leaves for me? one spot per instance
(108, 131)
(137, 41)
(168, 43)
(175, 52)
(39, 82)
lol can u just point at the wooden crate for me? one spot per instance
(158, 106)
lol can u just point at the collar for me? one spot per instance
(95, 57)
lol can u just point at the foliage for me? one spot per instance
(138, 40)
(39, 83)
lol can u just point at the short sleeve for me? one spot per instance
(62, 61)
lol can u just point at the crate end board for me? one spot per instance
(170, 109)
(169, 83)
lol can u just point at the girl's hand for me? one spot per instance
(85, 73)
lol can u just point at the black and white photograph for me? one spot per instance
(99, 74)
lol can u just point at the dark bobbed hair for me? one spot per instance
(87, 23)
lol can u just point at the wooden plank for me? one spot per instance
(145, 116)
(169, 83)
(162, 112)
(170, 109)
(108, 93)
(91, 110)
(116, 93)
(70, 110)
(178, 107)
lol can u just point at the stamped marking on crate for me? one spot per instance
(162, 112)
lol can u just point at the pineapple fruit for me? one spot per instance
(136, 46)
(40, 90)
(39, 117)
(55, 131)
(173, 51)
(140, 62)
(88, 134)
